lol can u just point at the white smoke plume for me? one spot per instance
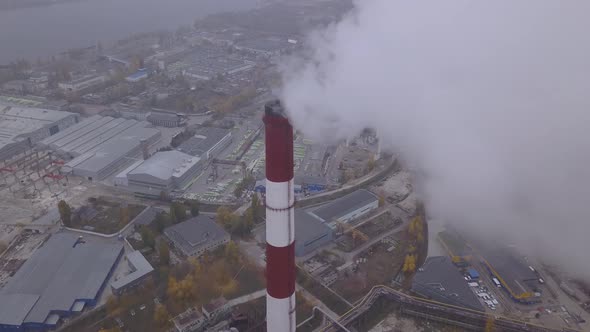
(491, 99)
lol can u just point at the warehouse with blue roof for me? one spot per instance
(65, 275)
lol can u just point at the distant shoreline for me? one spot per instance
(8, 5)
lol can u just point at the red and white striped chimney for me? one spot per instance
(280, 219)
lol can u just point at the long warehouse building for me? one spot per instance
(101, 146)
(21, 127)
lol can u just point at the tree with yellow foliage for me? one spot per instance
(489, 324)
(161, 316)
(409, 264)
(232, 253)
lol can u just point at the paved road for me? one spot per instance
(247, 298)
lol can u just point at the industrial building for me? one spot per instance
(82, 83)
(197, 235)
(141, 270)
(206, 69)
(311, 184)
(165, 171)
(190, 320)
(21, 127)
(311, 233)
(65, 275)
(347, 208)
(166, 119)
(439, 280)
(459, 251)
(207, 143)
(100, 146)
(516, 277)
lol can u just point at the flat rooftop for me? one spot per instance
(203, 141)
(454, 243)
(308, 227)
(514, 272)
(140, 266)
(194, 233)
(60, 272)
(18, 121)
(441, 281)
(166, 164)
(345, 205)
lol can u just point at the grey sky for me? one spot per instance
(490, 99)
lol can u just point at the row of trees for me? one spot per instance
(416, 237)
(240, 225)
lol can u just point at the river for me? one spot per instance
(43, 31)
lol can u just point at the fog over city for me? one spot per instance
(487, 100)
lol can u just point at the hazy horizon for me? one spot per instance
(48, 30)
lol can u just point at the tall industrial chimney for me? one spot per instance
(280, 219)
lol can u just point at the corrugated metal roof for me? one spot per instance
(195, 233)
(15, 307)
(440, 280)
(345, 205)
(60, 273)
(165, 164)
(203, 141)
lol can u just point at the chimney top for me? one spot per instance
(274, 108)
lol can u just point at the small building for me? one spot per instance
(197, 235)
(166, 119)
(146, 217)
(190, 320)
(164, 172)
(82, 83)
(141, 270)
(473, 274)
(439, 280)
(347, 208)
(207, 143)
(214, 309)
(311, 233)
(139, 75)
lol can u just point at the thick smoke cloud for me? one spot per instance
(490, 100)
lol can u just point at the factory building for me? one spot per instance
(207, 143)
(101, 146)
(166, 119)
(141, 270)
(347, 208)
(21, 128)
(439, 280)
(197, 235)
(515, 276)
(459, 251)
(63, 276)
(190, 320)
(82, 83)
(311, 233)
(311, 184)
(165, 171)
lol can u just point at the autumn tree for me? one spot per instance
(124, 215)
(232, 253)
(172, 214)
(179, 211)
(65, 213)
(164, 253)
(112, 305)
(148, 238)
(409, 264)
(489, 324)
(224, 217)
(371, 164)
(161, 316)
(195, 209)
